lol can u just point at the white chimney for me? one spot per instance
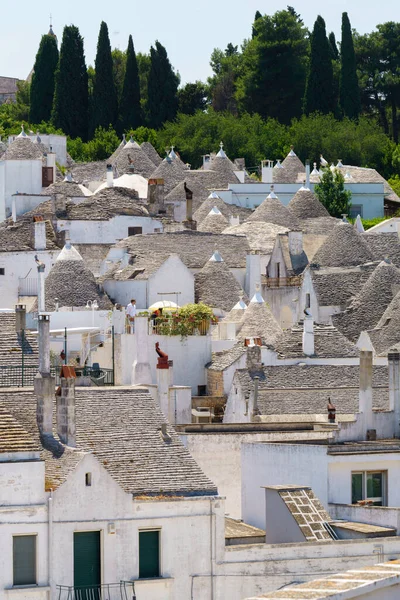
(295, 239)
(308, 336)
(253, 273)
(39, 235)
(14, 208)
(267, 171)
(307, 174)
(234, 220)
(51, 162)
(141, 367)
(365, 397)
(240, 175)
(206, 162)
(41, 297)
(110, 176)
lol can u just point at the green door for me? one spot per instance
(87, 570)
(149, 554)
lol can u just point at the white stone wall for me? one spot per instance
(106, 232)
(20, 176)
(172, 276)
(21, 264)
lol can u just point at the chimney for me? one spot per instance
(206, 162)
(253, 357)
(307, 174)
(155, 191)
(41, 297)
(51, 162)
(295, 239)
(14, 208)
(65, 407)
(141, 367)
(365, 395)
(20, 318)
(267, 171)
(39, 233)
(60, 205)
(234, 220)
(308, 335)
(44, 383)
(253, 273)
(255, 397)
(394, 388)
(188, 222)
(164, 382)
(110, 176)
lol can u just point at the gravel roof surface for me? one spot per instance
(344, 247)
(216, 286)
(271, 210)
(305, 205)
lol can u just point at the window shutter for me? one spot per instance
(24, 559)
(149, 554)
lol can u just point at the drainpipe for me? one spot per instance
(211, 551)
(50, 541)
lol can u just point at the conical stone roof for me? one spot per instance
(386, 334)
(289, 169)
(71, 282)
(132, 155)
(258, 321)
(117, 152)
(204, 209)
(216, 286)
(344, 247)
(305, 205)
(273, 211)
(171, 171)
(236, 314)
(215, 222)
(151, 152)
(368, 306)
(22, 148)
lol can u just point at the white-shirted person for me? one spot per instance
(131, 314)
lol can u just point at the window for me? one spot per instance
(369, 485)
(134, 231)
(24, 560)
(356, 209)
(2, 271)
(308, 301)
(88, 479)
(149, 554)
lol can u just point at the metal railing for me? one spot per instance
(28, 286)
(24, 375)
(278, 282)
(124, 590)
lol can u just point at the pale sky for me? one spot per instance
(189, 30)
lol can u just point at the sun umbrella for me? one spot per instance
(164, 304)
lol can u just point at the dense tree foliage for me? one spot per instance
(273, 67)
(104, 105)
(349, 90)
(319, 96)
(333, 46)
(42, 85)
(192, 97)
(162, 88)
(130, 106)
(70, 107)
(331, 193)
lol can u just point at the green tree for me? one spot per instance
(162, 88)
(319, 96)
(226, 67)
(349, 91)
(42, 85)
(104, 102)
(130, 107)
(100, 147)
(273, 67)
(119, 66)
(70, 107)
(333, 46)
(389, 34)
(192, 97)
(331, 193)
(257, 16)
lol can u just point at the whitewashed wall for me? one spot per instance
(21, 264)
(172, 276)
(21, 176)
(106, 232)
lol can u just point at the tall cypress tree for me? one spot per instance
(104, 99)
(130, 109)
(42, 86)
(333, 46)
(70, 107)
(162, 88)
(319, 94)
(350, 102)
(257, 16)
